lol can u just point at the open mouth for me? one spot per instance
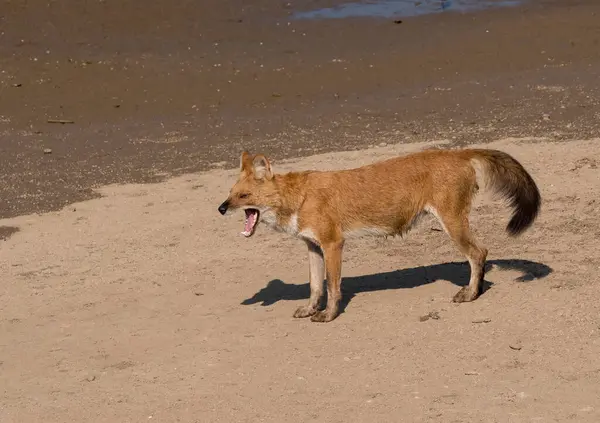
(250, 222)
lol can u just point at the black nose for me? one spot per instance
(223, 207)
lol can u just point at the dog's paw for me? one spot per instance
(304, 311)
(465, 295)
(323, 316)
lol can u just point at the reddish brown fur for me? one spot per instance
(385, 198)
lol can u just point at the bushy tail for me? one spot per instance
(506, 176)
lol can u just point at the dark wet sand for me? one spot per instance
(172, 87)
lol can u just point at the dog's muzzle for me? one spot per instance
(223, 207)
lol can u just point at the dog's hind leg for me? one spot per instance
(316, 275)
(456, 226)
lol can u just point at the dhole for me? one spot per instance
(382, 199)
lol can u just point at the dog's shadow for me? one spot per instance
(455, 272)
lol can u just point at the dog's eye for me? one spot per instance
(244, 195)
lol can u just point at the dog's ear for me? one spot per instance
(262, 167)
(245, 162)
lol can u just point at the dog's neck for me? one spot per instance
(291, 188)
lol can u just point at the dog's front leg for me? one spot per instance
(316, 276)
(333, 262)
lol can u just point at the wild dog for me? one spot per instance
(324, 208)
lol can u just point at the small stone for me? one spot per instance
(434, 315)
(90, 378)
(47, 151)
(197, 293)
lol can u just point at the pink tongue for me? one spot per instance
(250, 216)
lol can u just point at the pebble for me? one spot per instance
(431, 315)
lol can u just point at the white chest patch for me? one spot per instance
(270, 219)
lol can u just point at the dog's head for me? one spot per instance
(255, 191)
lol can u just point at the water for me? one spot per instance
(402, 8)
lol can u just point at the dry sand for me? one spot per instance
(147, 305)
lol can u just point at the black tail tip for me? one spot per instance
(517, 226)
(523, 217)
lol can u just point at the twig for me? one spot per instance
(63, 121)
(515, 347)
